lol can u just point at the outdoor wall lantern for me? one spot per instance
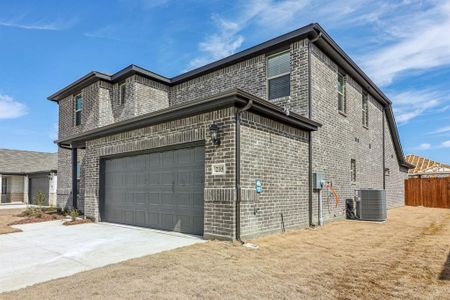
(214, 132)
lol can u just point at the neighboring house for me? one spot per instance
(25, 173)
(228, 150)
(424, 167)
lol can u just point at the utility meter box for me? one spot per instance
(318, 178)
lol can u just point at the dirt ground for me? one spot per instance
(407, 257)
(8, 216)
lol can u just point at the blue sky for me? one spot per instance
(44, 45)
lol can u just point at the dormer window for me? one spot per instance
(279, 75)
(122, 93)
(78, 109)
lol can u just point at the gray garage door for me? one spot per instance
(161, 190)
(38, 184)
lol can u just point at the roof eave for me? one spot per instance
(78, 84)
(234, 97)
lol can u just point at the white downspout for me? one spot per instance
(320, 208)
(25, 190)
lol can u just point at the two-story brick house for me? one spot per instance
(228, 150)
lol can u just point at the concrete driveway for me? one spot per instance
(49, 250)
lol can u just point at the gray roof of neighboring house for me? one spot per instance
(26, 162)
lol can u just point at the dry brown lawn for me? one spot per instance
(407, 257)
(8, 216)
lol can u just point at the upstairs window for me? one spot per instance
(122, 93)
(279, 75)
(78, 109)
(342, 101)
(365, 110)
(353, 170)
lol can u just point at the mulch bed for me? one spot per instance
(76, 222)
(44, 218)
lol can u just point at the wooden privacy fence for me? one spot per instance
(429, 192)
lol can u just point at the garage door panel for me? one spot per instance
(160, 190)
(140, 198)
(153, 220)
(185, 223)
(154, 199)
(128, 216)
(184, 200)
(154, 179)
(154, 161)
(167, 177)
(198, 177)
(197, 200)
(167, 221)
(140, 216)
(167, 159)
(185, 157)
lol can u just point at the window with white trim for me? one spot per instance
(342, 101)
(78, 109)
(279, 75)
(122, 93)
(365, 109)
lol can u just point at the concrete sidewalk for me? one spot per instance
(13, 205)
(49, 250)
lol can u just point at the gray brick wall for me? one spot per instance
(101, 107)
(64, 179)
(395, 189)
(343, 137)
(89, 117)
(277, 155)
(250, 76)
(219, 190)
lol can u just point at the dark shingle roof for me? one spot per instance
(23, 162)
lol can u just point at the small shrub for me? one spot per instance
(73, 214)
(28, 212)
(39, 199)
(51, 210)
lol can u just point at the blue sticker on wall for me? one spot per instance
(258, 186)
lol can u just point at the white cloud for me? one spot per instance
(441, 130)
(421, 43)
(411, 104)
(228, 38)
(143, 4)
(108, 32)
(10, 108)
(53, 133)
(423, 146)
(427, 146)
(37, 25)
